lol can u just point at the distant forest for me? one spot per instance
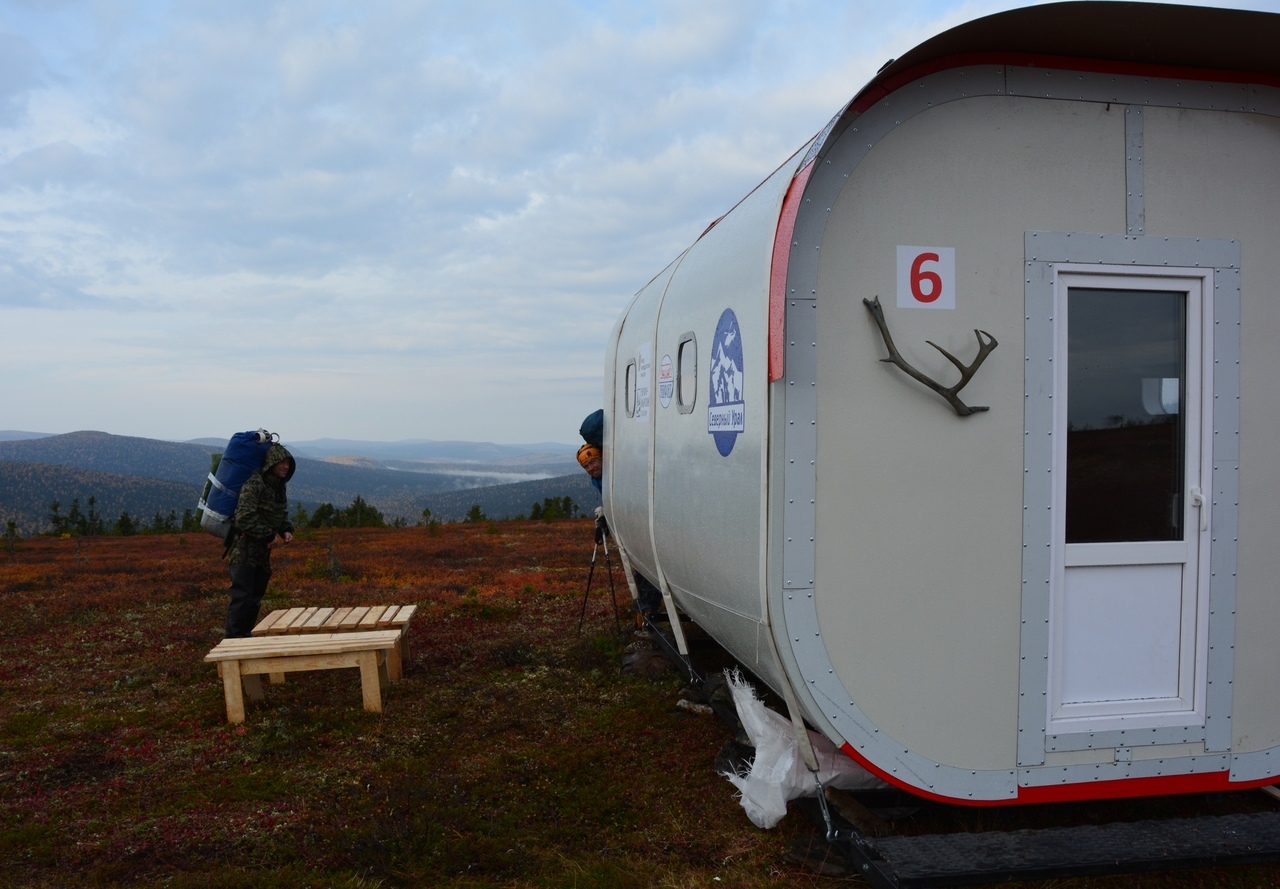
(514, 500)
(28, 491)
(156, 486)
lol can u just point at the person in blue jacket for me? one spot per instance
(591, 459)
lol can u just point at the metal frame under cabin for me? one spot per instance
(891, 566)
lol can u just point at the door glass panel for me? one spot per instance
(1126, 381)
(687, 370)
(630, 390)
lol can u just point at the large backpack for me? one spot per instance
(229, 470)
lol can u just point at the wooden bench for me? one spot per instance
(241, 661)
(290, 621)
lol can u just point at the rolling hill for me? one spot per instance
(507, 501)
(27, 490)
(118, 454)
(145, 476)
(426, 450)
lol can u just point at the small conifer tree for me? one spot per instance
(75, 522)
(56, 518)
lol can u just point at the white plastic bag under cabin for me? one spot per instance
(778, 772)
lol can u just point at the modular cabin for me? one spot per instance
(960, 430)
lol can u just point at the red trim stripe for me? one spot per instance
(778, 271)
(1164, 785)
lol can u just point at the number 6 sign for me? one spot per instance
(926, 277)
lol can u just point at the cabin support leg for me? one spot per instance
(679, 652)
(797, 721)
(681, 645)
(674, 617)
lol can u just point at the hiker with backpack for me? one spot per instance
(261, 522)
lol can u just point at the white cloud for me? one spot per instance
(385, 220)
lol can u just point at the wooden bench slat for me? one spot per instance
(296, 663)
(317, 619)
(282, 625)
(290, 620)
(353, 618)
(283, 620)
(295, 625)
(335, 620)
(370, 619)
(266, 623)
(302, 643)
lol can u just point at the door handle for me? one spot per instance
(1198, 501)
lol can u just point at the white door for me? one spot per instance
(1129, 592)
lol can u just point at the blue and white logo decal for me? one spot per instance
(666, 381)
(643, 367)
(727, 412)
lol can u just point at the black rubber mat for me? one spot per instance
(955, 859)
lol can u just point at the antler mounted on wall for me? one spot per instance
(986, 343)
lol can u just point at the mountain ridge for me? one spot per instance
(28, 489)
(398, 488)
(319, 448)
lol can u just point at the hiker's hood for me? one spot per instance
(275, 454)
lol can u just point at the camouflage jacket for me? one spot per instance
(262, 511)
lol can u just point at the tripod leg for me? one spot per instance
(587, 592)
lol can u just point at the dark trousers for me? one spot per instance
(248, 583)
(649, 597)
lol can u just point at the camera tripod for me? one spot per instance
(602, 540)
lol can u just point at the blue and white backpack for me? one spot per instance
(244, 454)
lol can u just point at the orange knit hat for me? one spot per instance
(587, 453)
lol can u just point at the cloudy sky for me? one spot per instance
(381, 220)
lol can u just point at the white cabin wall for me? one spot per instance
(708, 510)
(694, 487)
(919, 512)
(1213, 175)
(626, 453)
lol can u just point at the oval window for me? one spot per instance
(686, 373)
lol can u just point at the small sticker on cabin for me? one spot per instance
(644, 369)
(727, 411)
(666, 381)
(926, 277)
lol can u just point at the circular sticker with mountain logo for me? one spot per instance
(726, 413)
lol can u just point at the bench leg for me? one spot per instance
(276, 678)
(370, 684)
(395, 666)
(232, 692)
(252, 685)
